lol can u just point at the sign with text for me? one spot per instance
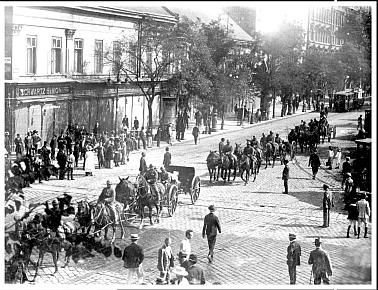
(40, 91)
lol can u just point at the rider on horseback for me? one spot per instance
(151, 177)
(270, 137)
(254, 142)
(227, 150)
(248, 151)
(263, 140)
(278, 139)
(107, 199)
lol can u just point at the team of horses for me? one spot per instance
(91, 220)
(308, 138)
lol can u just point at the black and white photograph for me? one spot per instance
(227, 144)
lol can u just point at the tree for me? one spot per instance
(355, 53)
(145, 59)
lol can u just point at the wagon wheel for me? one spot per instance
(195, 189)
(172, 200)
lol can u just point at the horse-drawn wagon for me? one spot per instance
(188, 182)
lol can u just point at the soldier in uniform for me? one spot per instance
(270, 137)
(248, 150)
(293, 257)
(18, 143)
(285, 176)
(314, 162)
(152, 177)
(228, 150)
(54, 215)
(321, 264)
(221, 145)
(278, 139)
(263, 140)
(254, 142)
(107, 194)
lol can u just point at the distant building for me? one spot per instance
(245, 17)
(323, 23)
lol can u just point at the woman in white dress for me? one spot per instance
(89, 162)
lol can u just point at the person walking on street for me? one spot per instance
(18, 143)
(165, 261)
(142, 164)
(195, 133)
(133, 257)
(142, 136)
(158, 136)
(338, 158)
(363, 214)
(53, 144)
(293, 257)
(196, 275)
(89, 162)
(285, 176)
(347, 168)
(321, 264)
(330, 157)
(314, 162)
(211, 226)
(62, 161)
(167, 158)
(70, 165)
(136, 123)
(352, 217)
(76, 153)
(359, 123)
(327, 204)
(185, 249)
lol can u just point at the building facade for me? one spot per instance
(323, 24)
(58, 74)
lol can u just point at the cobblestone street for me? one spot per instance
(256, 218)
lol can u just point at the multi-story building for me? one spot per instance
(57, 73)
(322, 26)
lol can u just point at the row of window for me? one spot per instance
(328, 16)
(325, 37)
(56, 55)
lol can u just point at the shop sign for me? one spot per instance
(40, 91)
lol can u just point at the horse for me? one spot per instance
(257, 154)
(213, 161)
(83, 215)
(245, 167)
(323, 130)
(271, 150)
(126, 193)
(227, 165)
(105, 215)
(145, 197)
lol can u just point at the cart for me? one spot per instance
(188, 182)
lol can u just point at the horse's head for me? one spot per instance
(83, 207)
(125, 190)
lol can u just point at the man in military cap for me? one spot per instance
(142, 164)
(152, 177)
(293, 257)
(54, 215)
(278, 139)
(227, 150)
(270, 137)
(263, 141)
(321, 264)
(221, 145)
(248, 150)
(254, 142)
(327, 204)
(211, 226)
(107, 194)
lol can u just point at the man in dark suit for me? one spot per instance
(142, 164)
(293, 257)
(211, 227)
(321, 264)
(133, 257)
(285, 176)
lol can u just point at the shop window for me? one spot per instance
(56, 55)
(31, 54)
(78, 65)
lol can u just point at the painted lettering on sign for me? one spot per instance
(39, 91)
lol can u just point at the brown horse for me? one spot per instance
(146, 197)
(271, 151)
(227, 165)
(213, 162)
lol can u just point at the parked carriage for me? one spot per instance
(188, 182)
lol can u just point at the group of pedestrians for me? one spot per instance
(319, 259)
(187, 271)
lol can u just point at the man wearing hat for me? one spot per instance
(363, 214)
(327, 204)
(151, 177)
(293, 257)
(196, 275)
(211, 226)
(221, 145)
(18, 143)
(270, 137)
(314, 162)
(133, 257)
(321, 264)
(54, 215)
(107, 194)
(62, 161)
(285, 176)
(349, 186)
(263, 140)
(167, 158)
